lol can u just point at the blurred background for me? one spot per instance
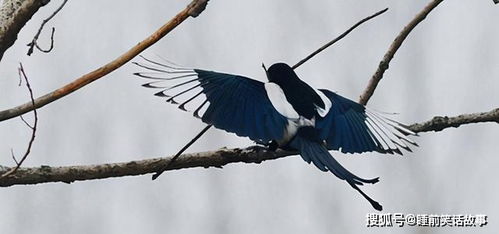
(447, 66)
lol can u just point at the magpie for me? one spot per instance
(284, 112)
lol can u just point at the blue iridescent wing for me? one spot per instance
(233, 103)
(352, 128)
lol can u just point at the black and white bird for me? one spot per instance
(284, 112)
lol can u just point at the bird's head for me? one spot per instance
(281, 73)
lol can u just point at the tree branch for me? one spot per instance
(13, 16)
(34, 42)
(384, 64)
(337, 38)
(219, 158)
(193, 10)
(13, 170)
(439, 123)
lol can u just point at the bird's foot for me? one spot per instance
(272, 146)
(256, 148)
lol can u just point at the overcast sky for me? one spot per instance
(447, 66)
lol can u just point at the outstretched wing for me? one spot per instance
(230, 102)
(351, 127)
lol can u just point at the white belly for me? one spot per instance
(292, 128)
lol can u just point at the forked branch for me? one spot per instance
(22, 75)
(34, 43)
(13, 16)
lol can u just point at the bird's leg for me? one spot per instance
(272, 146)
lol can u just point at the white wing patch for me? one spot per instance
(327, 104)
(279, 101)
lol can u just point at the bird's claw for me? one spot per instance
(271, 146)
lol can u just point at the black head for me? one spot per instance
(281, 73)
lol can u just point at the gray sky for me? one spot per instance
(447, 66)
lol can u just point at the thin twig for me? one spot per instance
(13, 156)
(219, 158)
(337, 38)
(162, 169)
(51, 43)
(105, 69)
(26, 122)
(33, 129)
(34, 42)
(383, 65)
(14, 14)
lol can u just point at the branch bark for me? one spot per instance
(384, 64)
(13, 16)
(219, 158)
(192, 9)
(439, 123)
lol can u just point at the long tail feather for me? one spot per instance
(315, 152)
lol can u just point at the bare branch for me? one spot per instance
(13, 16)
(30, 50)
(196, 7)
(104, 70)
(337, 38)
(383, 65)
(34, 42)
(179, 153)
(26, 122)
(438, 123)
(33, 128)
(13, 156)
(219, 158)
